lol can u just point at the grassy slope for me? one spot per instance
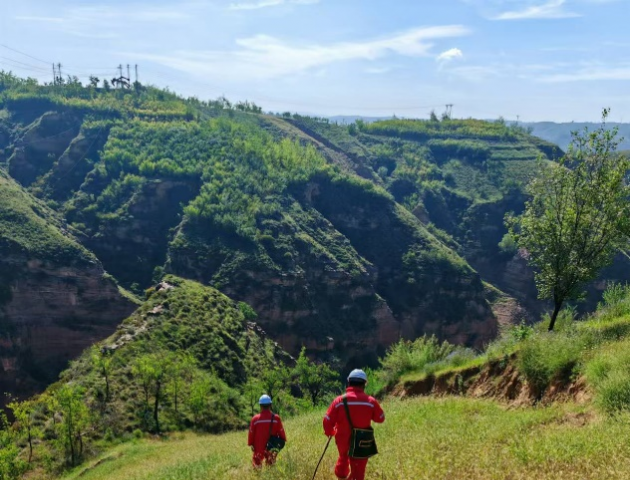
(422, 439)
(28, 227)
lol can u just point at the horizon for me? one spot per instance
(522, 60)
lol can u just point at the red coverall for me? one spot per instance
(363, 410)
(259, 435)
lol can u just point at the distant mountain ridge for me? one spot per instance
(558, 133)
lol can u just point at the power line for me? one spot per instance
(25, 54)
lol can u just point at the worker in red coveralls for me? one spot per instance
(260, 429)
(363, 411)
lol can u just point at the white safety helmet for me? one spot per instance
(264, 400)
(358, 375)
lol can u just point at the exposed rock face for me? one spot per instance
(41, 145)
(54, 313)
(55, 299)
(362, 275)
(132, 247)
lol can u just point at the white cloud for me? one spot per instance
(449, 55)
(590, 74)
(264, 57)
(98, 21)
(551, 9)
(268, 3)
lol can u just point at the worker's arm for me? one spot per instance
(378, 415)
(330, 420)
(250, 437)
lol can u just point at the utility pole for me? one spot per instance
(59, 73)
(449, 110)
(136, 73)
(120, 68)
(54, 75)
(128, 74)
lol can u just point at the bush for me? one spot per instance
(423, 355)
(615, 302)
(546, 356)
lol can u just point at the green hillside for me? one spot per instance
(247, 203)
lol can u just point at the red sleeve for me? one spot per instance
(330, 419)
(279, 429)
(250, 437)
(378, 415)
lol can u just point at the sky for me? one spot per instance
(532, 60)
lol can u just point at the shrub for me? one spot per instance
(615, 302)
(545, 356)
(417, 356)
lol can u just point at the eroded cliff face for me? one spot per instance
(51, 315)
(348, 273)
(55, 298)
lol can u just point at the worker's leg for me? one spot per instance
(257, 459)
(357, 468)
(342, 468)
(270, 457)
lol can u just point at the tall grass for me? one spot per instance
(424, 355)
(421, 439)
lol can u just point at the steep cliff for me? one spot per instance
(55, 298)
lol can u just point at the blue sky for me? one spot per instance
(559, 60)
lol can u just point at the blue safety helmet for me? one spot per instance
(264, 400)
(358, 375)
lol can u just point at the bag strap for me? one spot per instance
(271, 424)
(345, 406)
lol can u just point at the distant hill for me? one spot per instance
(556, 133)
(560, 133)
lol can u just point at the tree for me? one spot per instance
(23, 413)
(94, 81)
(152, 370)
(180, 372)
(315, 379)
(102, 360)
(578, 217)
(68, 401)
(12, 466)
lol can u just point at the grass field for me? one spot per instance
(452, 438)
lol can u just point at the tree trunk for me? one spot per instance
(156, 406)
(106, 387)
(30, 445)
(554, 315)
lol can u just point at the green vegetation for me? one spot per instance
(577, 218)
(29, 227)
(186, 360)
(421, 439)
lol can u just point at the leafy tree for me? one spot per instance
(102, 361)
(23, 413)
(68, 401)
(578, 217)
(180, 372)
(11, 466)
(314, 379)
(152, 370)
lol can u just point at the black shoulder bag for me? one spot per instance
(275, 442)
(362, 441)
